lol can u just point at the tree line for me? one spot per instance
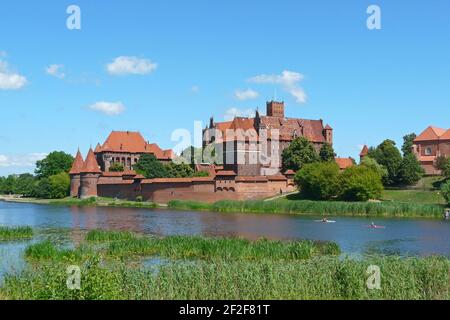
(319, 177)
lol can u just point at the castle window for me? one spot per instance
(428, 151)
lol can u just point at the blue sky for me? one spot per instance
(184, 61)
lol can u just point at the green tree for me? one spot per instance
(408, 142)
(181, 170)
(319, 180)
(42, 188)
(360, 183)
(445, 190)
(388, 156)
(192, 155)
(299, 153)
(8, 184)
(116, 167)
(24, 185)
(150, 167)
(327, 152)
(374, 165)
(443, 164)
(59, 185)
(410, 171)
(56, 162)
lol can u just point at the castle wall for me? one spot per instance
(248, 188)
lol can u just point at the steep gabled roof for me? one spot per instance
(446, 135)
(78, 164)
(364, 151)
(91, 164)
(132, 142)
(430, 133)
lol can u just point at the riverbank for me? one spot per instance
(278, 206)
(318, 208)
(115, 265)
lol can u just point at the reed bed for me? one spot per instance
(18, 233)
(317, 278)
(180, 247)
(325, 208)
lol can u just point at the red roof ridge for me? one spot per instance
(364, 151)
(78, 164)
(91, 164)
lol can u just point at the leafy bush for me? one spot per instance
(318, 180)
(116, 167)
(445, 189)
(360, 183)
(299, 153)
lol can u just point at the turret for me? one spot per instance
(275, 109)
(89, 176)
(74, 173)
(328, 134)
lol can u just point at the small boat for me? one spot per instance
(325, 221)
(375, 227)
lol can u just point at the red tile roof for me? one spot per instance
(364, 151)
(431, 133)
(90, 164)
(132, 142)
(344, 163)
(78, 164)
(446, 135)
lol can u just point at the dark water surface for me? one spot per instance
(401, 236)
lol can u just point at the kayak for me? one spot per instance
(376, 227)
(328, 221)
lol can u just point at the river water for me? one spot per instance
(400, 236)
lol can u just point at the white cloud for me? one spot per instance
(3, 54)
(130, 65)
(10, 80)
(27, 160)
(195, 89)
(55, 70)
(235, 112)
(108, 108)
(246, 94)
(289, 81)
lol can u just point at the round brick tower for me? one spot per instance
(89, 176)
(74, 173)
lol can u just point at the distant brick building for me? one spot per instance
(429, 145)
(241, 141)
(126, 147)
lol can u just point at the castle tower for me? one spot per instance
(364, 152)
(74, 173)
(275, 109)
(89, 176)
(328, 134)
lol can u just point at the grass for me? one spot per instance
(103, 202)
(415, 196)
(317, 278)
(19, 233)
(127, 245)
(221, 248)
(325, 208)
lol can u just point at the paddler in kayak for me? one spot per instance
(324, 220)
(373, 225)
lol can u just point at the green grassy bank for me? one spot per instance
(325, 208)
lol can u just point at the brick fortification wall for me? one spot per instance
(204, 190)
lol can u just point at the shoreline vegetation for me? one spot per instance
(113, 266)
(287, 205)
